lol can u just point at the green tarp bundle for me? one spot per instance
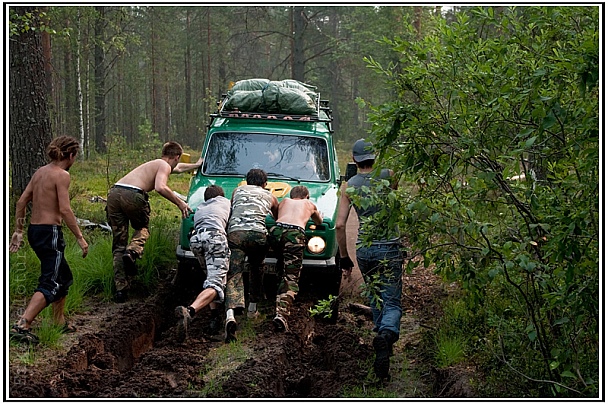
(262, 95)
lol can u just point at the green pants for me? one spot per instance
(289, 244)
(127, 206)
(253, 246)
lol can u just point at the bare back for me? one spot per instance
(47, 185)
(298, 211)
(146, 175)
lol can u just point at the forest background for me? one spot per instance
(489, 115)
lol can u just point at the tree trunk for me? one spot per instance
(100, 96)
(297, 52)
(418, 20)
(29, 123)
(189, 127)
(167, 124)
(155, 85)
(83, 141)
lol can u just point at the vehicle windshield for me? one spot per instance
(288, 157)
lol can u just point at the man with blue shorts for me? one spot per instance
(48, 193)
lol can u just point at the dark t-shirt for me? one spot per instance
(367, 180)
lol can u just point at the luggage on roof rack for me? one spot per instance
(286, 97)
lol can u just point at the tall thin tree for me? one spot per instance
(100, 96)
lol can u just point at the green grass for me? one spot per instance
(367, 392)
(94, 274)
(49, 333)
(450, 349)
(221, 362)
(27, 356)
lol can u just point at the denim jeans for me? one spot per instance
(386, 262)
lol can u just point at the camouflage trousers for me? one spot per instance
(250, 245)
(211, 249)
(126, 206)
(289, 244)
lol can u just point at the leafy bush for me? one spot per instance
(496, 122)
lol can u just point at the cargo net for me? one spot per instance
(265, 99)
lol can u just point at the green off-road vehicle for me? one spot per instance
(256, 127)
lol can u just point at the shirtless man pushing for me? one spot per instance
(288, 239)
(128, 203)
(48, 192)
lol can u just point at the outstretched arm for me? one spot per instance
(160, 186)
(186, 167)
(316, 216)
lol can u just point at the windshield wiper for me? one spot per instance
(283, 176)
(223, 173)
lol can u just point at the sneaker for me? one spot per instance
(382, 346)
(253, 314)
(230, 329)
(280, 324)
(183, 322)
(128, 259)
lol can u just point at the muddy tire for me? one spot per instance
(189, 276)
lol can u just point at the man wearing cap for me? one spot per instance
(383, 256)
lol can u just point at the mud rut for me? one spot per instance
(130, 350)
(135, 354)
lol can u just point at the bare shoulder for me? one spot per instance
(156, 163)
(50, 173)
(311, 204)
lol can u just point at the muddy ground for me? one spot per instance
(130, 350)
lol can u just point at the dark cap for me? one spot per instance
(362, 151)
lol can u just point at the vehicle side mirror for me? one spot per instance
(351, 170)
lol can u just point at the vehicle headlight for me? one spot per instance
(316, 245)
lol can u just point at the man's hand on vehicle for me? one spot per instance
(346, 264)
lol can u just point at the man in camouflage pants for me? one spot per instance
(288, 239)
(247, 234)
(128, 203)
(210, 246)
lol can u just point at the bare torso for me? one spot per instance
(145, 175)
(45, 200)
(298, 211)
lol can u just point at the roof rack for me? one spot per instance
(321, 105)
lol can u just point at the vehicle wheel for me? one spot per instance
(189, 276)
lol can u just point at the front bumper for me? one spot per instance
(269, 263)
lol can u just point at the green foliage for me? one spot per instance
(28, 356)
(367, 392)
(48, 332)
(94, 274)
(324, 307)
(30, 21)
(159, 251)
(450, 349)
(24, 270)
(495, 94)
(220, 362)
